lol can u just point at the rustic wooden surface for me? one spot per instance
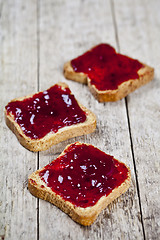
(36, 38)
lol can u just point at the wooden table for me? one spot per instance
(36, 39)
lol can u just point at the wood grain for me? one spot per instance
(18, 77)
(68, 28)
(37, 37)
(138, 33)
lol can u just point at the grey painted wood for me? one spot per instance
(138, 32)
(18, 77)
(36, 38)
(68, 28)
(1, 6)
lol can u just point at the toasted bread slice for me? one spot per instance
(70, 74)
(75, 183)
(52, 137)
(145, 75)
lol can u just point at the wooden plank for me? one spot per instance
(1, 6)
(18, 68)
(68, 28)
(138, 32)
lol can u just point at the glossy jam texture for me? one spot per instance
(84, 174)
(46, 112)
(106, 68)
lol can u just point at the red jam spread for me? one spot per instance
(84, 174)
(106, 68)
(46, 112)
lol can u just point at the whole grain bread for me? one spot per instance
(146, 74)
(84, 216)
(51, 138)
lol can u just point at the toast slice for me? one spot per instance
(47, 118)
(134, 73)
(82, 181)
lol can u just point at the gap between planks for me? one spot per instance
(38, 64)
(128, 119)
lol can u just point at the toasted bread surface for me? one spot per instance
(146, 74)
(84, 216)
(70, 74)
(51, 138)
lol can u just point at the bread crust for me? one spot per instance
(145, 74)
(51, 138)
(84, 216)
(70, 74)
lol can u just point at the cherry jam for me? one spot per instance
(84, 174)
(46, 112)
(105, 67)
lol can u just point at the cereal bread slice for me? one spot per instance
(82, 181)
(84, 121)
(144, 74)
